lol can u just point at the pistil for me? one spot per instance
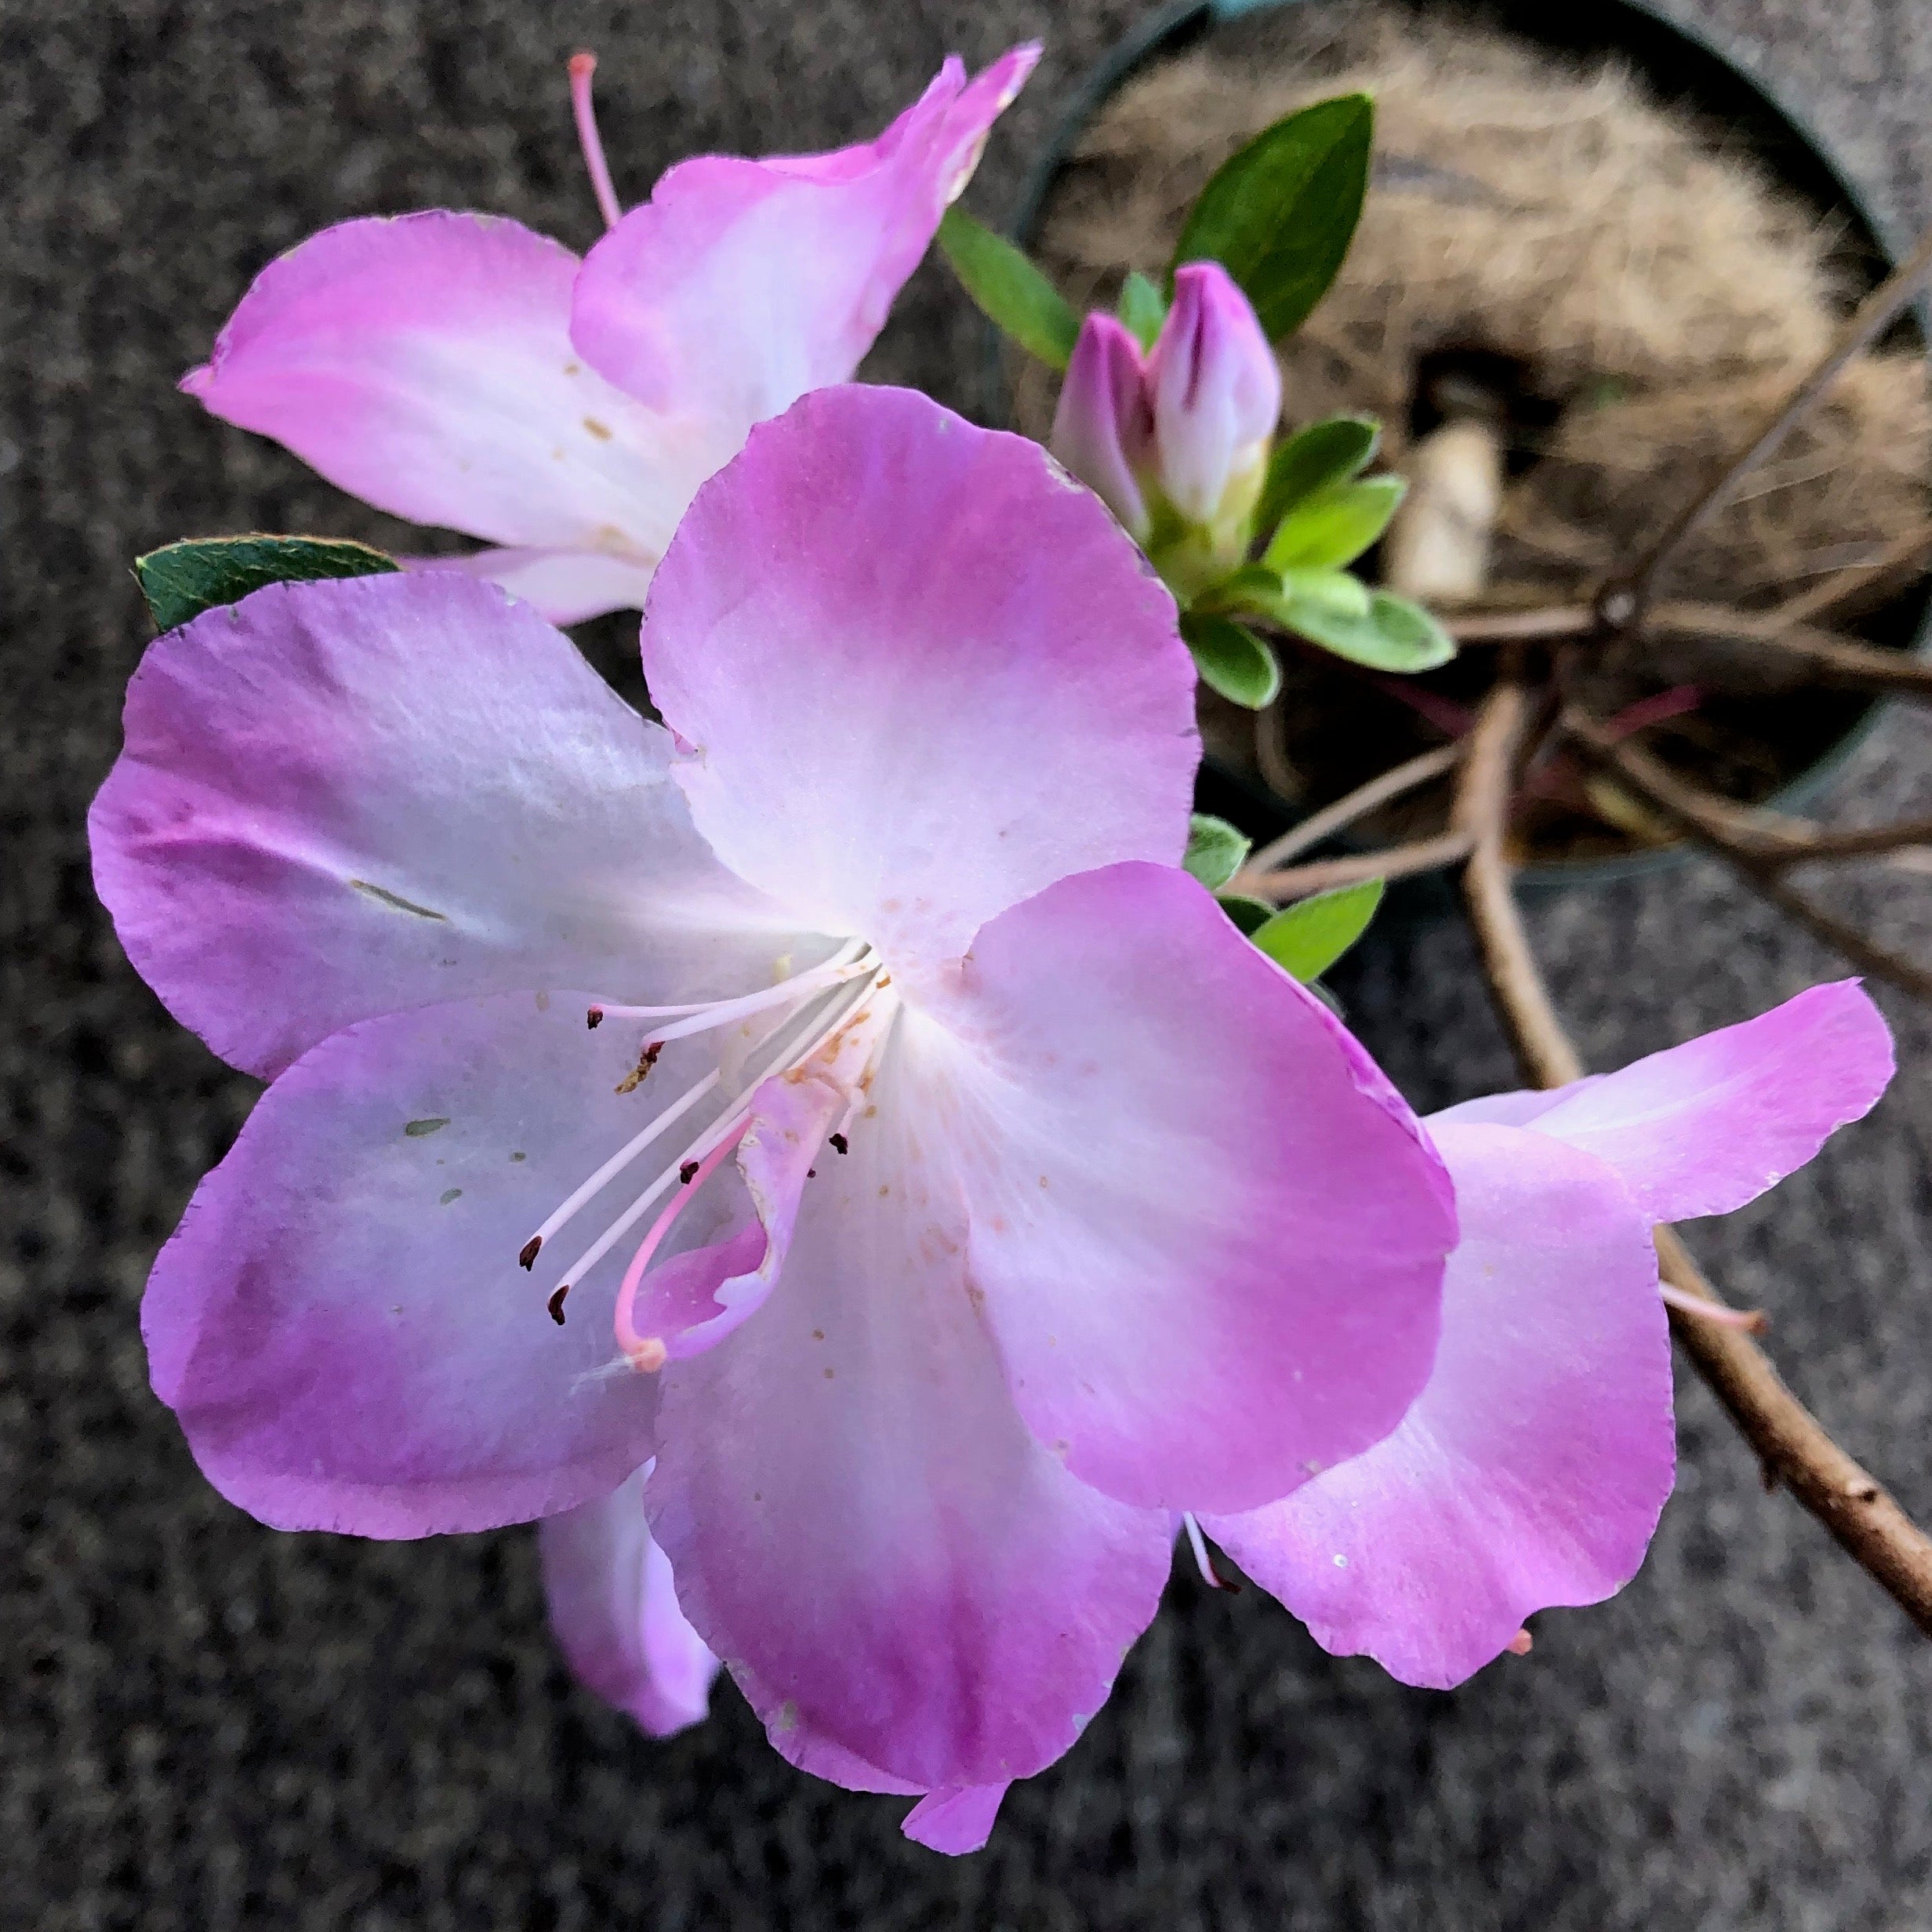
(582, 66)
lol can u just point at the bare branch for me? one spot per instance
(1824, 656)
(1632, 593)
(1849, 586)
(1559, 620)
(1391, 785)
(1397, 862)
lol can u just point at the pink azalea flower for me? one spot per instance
(458, 369)
(989, 1199)
(1533, 1468)
(1186, 428)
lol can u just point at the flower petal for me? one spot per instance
(958, 1819)
(614, 1608)
(424, 363)
(923, 674)
(1208, 1235)
(742, 284)
(1702, 1129)
(1103, 425)
(342, 799)
(340, 1322)
(892, 1568)
(1532, 1469)
(566, 586)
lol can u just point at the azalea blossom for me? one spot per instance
(837, 1097)
(1532, 1469)
(458, 369)
(1182, 433)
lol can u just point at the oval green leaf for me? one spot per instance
(1249, 915)
(1012, 294)
(1232, 660)
(1215, 850)
(1335, 525)
(181, 580)
(1279, 215)
(1306, 938)
(1324, 453)
(1395, 635)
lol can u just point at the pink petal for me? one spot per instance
(614, 1608)
(340, 799)
(1702, 1129)
(905, 1585)
(742, 284)
(921, 675)
(957, 1820)
(566, 586)
(340, 1322)
(1216, 390)
(1208, 1237)
(1103, 426)
(1532, 1469)
(425, 364)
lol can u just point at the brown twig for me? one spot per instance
(1790, 1444)
(1533, 626)
(1827, 657)
(1397, 862)
(1849, 586)
(1625, 600)
(1391, 785)
(1714, 823)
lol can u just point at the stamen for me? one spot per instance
(841, 1143)
(851, 950)
(1203, 1562)
(1753, 1321)
(1521, 1644)
(722, 1012)
(582, 66)
(555, 1304)
(800, 1048)
(616, 1165)
(648, 1353)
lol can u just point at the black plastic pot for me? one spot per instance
(1678, 66)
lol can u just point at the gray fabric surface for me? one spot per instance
(205, 1725)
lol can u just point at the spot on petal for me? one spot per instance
(396, 901)
(448, 1195)
(417, 1129)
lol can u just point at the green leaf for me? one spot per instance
(1394, 635)
(1250, 915)
(1335, 525)
(1232, 659)
(1326, 453)
(1215, 850)
(1336, 591)
(1306, 938)
(182, 580)
(1012, 293)
(1279, 214)
(1143, 308)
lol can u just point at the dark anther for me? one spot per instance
(528, 1256)
(811, 1173)
(686, 1173)
(839, 1142)
(595, 1019)
(555, 1304)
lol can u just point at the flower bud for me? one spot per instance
(1216, 395)
(1103, 430)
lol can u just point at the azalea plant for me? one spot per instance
(823, 1152)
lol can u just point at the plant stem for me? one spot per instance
(1396, 861)
(1392, 784)
(1791, 1446)
(1713, 822)
(1626, 601)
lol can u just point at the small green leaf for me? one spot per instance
(182, 580)
(1143, 308)
(1306, 938)
(1215, 850)
(1248, 915)
(1395, 635)
(1324, 453)
(1346, 596)
(1232, 660)
(1335, 525)
(1279, 214)
(1012, 293)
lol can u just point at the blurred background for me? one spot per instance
(204, 1724)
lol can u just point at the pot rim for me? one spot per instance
(1160, 30)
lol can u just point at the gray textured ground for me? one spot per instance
(205, 1725)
